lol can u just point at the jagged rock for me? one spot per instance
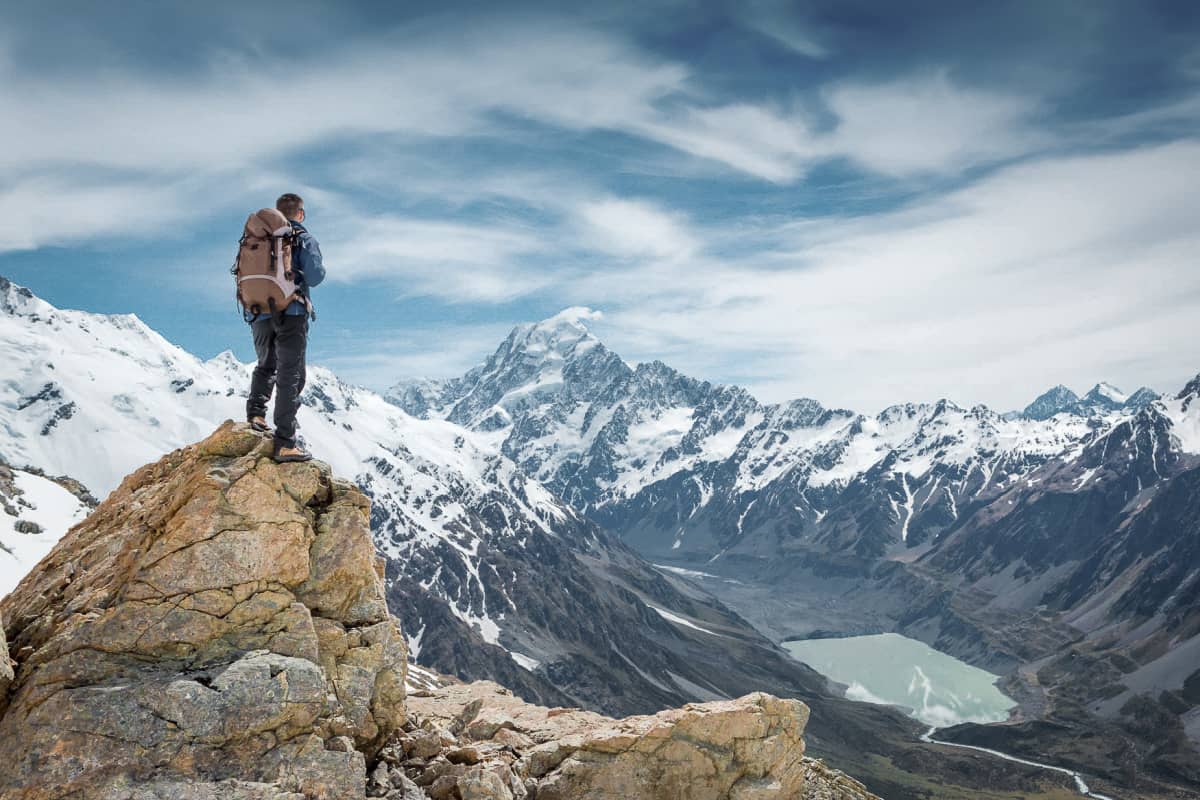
(483, 784)
(404, 789)
(745, 749)
(218, 618)
(224, 790)
(6, 671)
(424, 744)
(823, 783)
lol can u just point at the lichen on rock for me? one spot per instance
(218, 623)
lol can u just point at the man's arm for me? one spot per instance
(312, 267)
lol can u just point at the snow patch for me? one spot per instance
(678, 620)
(525, 661)
(47, 505)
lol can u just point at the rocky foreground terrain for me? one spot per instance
(217, 628)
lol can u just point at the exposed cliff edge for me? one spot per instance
(218, 629)
(481, 741)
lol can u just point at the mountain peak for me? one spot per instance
(1107, 394)
(1141, 398)
(559, 333)
(16, 299)
(1053, 401)
(575, 317)
(1192, 389)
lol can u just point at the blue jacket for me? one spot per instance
(308, 266)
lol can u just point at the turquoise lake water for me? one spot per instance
(892, 669)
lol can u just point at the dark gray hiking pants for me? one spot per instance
(280, 346)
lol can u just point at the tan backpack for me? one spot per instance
(265, 281)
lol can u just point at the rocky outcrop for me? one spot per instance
(479, 742)
(216, 629)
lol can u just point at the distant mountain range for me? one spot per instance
(591, 532)
(1033, 543)
(690, 470)
(1104, 398)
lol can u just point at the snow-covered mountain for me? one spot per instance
(492, 574)
(1101, 399)
(35, 511)
(1007, 539)
(1060, 544)
(691, 470)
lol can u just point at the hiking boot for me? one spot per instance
(259, 424)
(291, 455)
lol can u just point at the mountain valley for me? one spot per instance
(1056, 546)
(625, 538)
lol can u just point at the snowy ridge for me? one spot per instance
(623, 443)
(1183, 411)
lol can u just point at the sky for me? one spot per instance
(860, 202)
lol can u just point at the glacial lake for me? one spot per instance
(892, 669)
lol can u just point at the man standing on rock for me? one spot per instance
(281, 336)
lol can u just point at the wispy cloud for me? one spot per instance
(775, 20)
(454, 262)
(929, 124)
(562, 76)
(37, 211)
(915, 228)
(1060, 270)
(634, 229)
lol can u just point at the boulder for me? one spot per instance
(216, 628)
(751, 748)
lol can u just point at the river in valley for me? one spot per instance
(935, 688)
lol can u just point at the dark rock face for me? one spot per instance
(1055, 401)
(1107, 542)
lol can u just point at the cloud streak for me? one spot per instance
(787, 218)
(1053, 271)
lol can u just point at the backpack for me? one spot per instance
(266, 282)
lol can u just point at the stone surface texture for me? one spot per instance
(479, 742)
(215, 629)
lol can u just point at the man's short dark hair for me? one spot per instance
(290, 205)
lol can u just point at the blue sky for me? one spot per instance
(859, 202)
